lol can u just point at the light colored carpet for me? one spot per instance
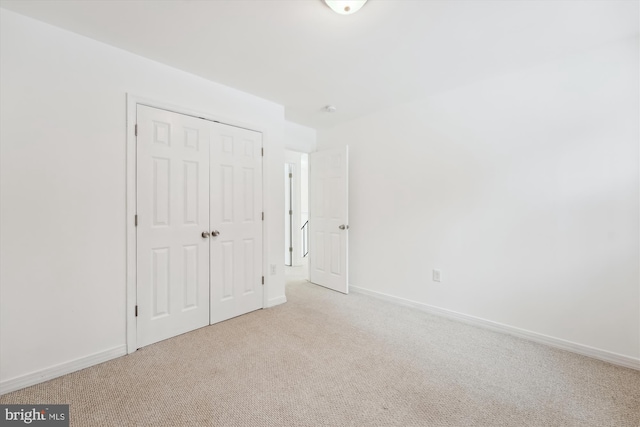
(326, 359)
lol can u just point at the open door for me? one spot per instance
(329, 219)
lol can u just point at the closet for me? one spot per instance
(199, 223)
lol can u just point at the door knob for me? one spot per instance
(205, 234)
(215, 233)
(343, 227)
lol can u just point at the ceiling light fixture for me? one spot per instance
(345, 7)
(330, 109)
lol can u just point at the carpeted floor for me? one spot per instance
(326, 359)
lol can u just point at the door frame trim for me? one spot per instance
(295, 158)
(132, 102)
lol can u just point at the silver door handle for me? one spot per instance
(343, 227)
(205, 234)
(215, 233)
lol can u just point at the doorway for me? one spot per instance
(317, 217)
(296, 213)
(288, 214)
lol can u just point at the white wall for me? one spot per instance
(299, 138)
(523, 189)
(63, 189)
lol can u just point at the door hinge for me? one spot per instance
(262, 152)
(263, 280)
(136, 130)
(290, 249)
(290, 175)
(290, 212)
(263, 216)
(136, 311)
(136, 220)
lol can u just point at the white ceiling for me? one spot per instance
(302, 55)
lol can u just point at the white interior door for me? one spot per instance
(173, 212)
(329, 219)
(236, 221)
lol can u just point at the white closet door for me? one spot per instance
(173, 212)
(329, 219)
(236, 221)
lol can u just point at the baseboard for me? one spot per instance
(613, 358)
(33, 378)
(276, 301)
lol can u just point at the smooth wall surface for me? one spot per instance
(63, 187)
(522, 189)
(299, 138)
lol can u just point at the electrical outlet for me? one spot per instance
(437, 275)
(273, 269)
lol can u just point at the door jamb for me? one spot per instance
(295, 158)
(131, 187)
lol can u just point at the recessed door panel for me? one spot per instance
(191, 272)
(161, 191)
(160, 282)
(318, 202)
(317, 250)
(226, 187)
(191, 186)
(192, 138)
(227, 270)
(248, 193)
(161, 133)
(248, 266)
(336, 254)
(249, 147)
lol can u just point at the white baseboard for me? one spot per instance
(607, 356)
(33, 378)
(276, 301)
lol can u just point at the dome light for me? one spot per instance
(345, 7)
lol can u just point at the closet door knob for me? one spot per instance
(215, 233)
(205, 234)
